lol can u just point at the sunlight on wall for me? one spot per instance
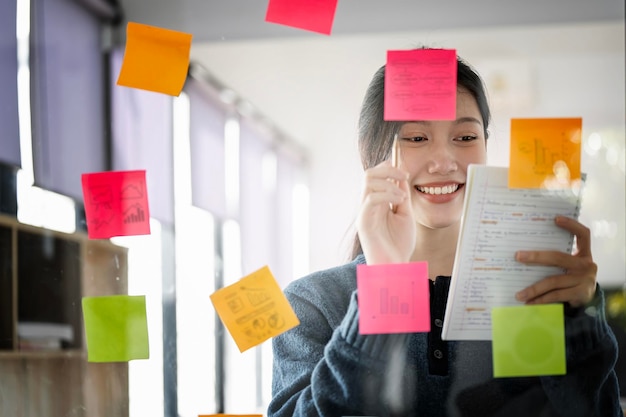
(145, 377)
(195, 266)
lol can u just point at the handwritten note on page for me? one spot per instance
(498, 221)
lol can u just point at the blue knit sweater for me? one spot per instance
(324, 367)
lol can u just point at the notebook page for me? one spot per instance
(498, 221)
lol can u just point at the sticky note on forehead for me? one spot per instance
(528, 340)
(116, 204)
(393, 298)
(312, 15)
(420, 84)
(545, 153)
(254, 309)
(116, 328)
(155, 59)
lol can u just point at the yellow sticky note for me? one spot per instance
(545, 153)
(528, 340)
(254, 309)
(155, 59)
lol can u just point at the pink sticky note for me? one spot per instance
(393, 298)
(312, 15)
(116, 204)
(420, 84)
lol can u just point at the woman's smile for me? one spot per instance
(439, 193)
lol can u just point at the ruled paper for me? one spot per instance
(498, 221)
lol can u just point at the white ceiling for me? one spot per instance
(226, 20)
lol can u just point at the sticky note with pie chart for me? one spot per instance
(254, 309)
(528, 340)
(545, 153)
(116, 204)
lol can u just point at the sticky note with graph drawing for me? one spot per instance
(254, 309)
(545, 153)
(116, 203)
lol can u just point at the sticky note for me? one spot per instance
(528, 340)
(420, 84)
(116, 204)
(155, 59)
(545, 153)
(116, 328)
(312, 15)
(393, 298)
(254, 309)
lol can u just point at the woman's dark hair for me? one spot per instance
(376, 134)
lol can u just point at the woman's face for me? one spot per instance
(436, 155)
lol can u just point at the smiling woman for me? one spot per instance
(328, 367)
(255, 163)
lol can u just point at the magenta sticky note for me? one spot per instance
(313, 15)
(116, 204)
(393, 298)
(420, 84)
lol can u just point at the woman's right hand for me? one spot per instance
(386, 236)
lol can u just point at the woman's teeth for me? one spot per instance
(439, 190)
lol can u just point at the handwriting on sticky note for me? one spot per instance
(393, 298)
(254, 309)
(313, 15)
(116, 328)
(545, 153)
(528, 340)
(155, 59)
(116, 204)
(420, 84)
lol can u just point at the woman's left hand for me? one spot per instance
(577, 284)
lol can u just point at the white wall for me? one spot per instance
(312, 89)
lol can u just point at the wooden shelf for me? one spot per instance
(43, 276)
(43, 354)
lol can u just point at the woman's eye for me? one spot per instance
(467, 138)
(415, 139)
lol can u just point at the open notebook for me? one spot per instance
(498, 221)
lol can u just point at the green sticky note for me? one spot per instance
(116, 328)
(528, 340)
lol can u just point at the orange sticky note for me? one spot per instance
(545, 153)
(393, 298)
(116, 204)
(313, 15)
(254, 309)
(420, 84)
(155, 59)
